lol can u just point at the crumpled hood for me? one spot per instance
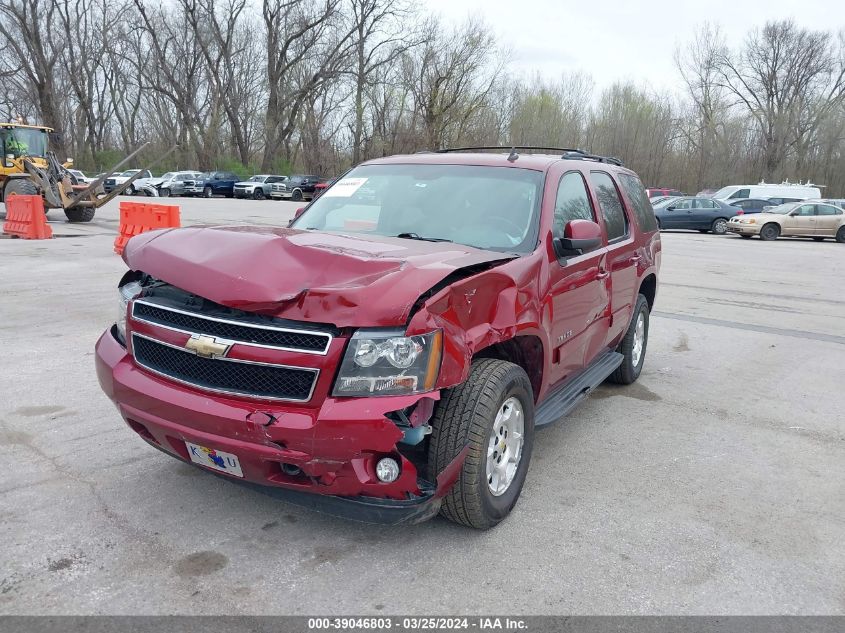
(345, 280)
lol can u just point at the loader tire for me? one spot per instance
(20, 187)
(80, 214)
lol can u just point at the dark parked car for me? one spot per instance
(296, 188)
(752, 205)
(694, 213)
(215, 183)
(775, 202)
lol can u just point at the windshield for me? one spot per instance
(129, 173)
(724, 192)
(257, 179)
(168, 175)
(783, 209)
(493, 208)
(24, 142)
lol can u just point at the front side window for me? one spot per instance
(741, 193)
(612, 209)
(633, 186)
(805, 210)
(681, 205)
(572, 202)
(494, 208)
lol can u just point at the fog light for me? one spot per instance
(387, 469)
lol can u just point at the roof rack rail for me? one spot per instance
(565, 152)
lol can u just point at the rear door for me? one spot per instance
(579, 285)
(828, 219)
(801, 221)
(621, 253)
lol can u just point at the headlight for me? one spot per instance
(384, 362)
(750, 221)
(127, 292)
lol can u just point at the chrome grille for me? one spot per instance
(288, 339)
(225, 375)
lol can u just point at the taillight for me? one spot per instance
(740, 212)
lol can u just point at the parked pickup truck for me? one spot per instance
(393, 352)
(214, 183)
(295, 188)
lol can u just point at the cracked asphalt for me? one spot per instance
(714, 485)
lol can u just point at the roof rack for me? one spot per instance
(565, 152)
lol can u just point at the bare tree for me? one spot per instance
(789, 80)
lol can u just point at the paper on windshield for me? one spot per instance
(344, 188)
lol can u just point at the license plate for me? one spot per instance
(212, 458)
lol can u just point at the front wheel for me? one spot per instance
(164, 193)
(80, 214)
(492, 414)
(719, 226)
(258, 194)
(633, 345)
(129, 191)
(207, 192)
(770, 232)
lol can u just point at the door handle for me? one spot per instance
(603, 274)
(635, 259)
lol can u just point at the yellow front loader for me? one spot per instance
(28, 167)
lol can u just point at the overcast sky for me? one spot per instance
(619, 39)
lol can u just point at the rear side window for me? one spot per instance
(633, 186)
(612, 209)
(572, 202)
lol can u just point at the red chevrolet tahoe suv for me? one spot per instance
(394, 351)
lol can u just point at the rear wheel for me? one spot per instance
(840, 235)
(296, 196)
(769, 232)
(492, 414)
(633, 345)
(719, 226)
(80, 214)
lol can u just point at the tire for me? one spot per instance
(20, 187)
(80, 214)
(129, 191)
(164, 193)
(719, 226)
(659, 226)
(258, 194)
(840, 235)
(745, 237)
(207, 192)
(632, 364)
(769, 232)
(296, 196)
(465, 416)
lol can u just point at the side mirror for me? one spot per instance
(670, 208)
(298, 212)
(579, 236)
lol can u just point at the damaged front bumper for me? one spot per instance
(320, 457)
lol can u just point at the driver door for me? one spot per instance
(677, 214)
(579, 286)
(801, 221)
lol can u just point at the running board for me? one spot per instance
(563, 400)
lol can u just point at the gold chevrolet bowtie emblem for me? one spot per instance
(207, 346)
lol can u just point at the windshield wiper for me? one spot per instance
(417, 236)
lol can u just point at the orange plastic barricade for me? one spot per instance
(140, 217)
(25, 218)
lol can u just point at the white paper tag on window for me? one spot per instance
(344, 188)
